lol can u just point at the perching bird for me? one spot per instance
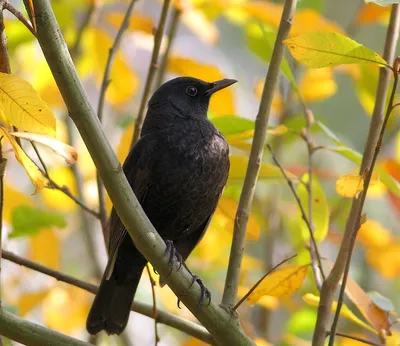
(177, 170)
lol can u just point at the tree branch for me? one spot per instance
(100, 108)
(32, 334)
(172, 29)
(163, 317)
(151, 73)
(221, 325)
(353, 337)
(8, 6)
(257, 149)
(330, 285)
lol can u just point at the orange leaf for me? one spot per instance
(372, 13)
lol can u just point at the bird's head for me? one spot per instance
(186, 96)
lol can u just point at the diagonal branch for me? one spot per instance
(163, 317)
(253, 168)
(152, 72)
(220, 324)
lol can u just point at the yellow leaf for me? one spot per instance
(372, 235)
(261, 342)
(55, 199)
(345, 312)
(23, 106)
(13, 199)
(394, 339)
(320, 209)
(326, 49)
(137, 22)
(45, 248)
(323, 78)
(386, 259)
(377, 318)
(350, 185)
(222, 102)
(267, 171)
(227, 209)
(304, 20)
(27, 301)
(277, 131)
(124, 82)
(66, 151)
(31, 169)
(200, 25)
(372, 13)
(268, 302)
(65, 309)
(282, 282)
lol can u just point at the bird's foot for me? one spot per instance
(171, 252)
(205, 294)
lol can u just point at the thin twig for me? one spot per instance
(171, 34)
(100, 108)
(87, 18)
(300, 204)
(152, 71)
(331, 283)
(4, 59)
(256, 155)
(153, 292)
(163, 317)
(358, 218)
(353, 337)
(314, 252)
(259, 281)
(8, 6)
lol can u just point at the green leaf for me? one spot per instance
(392, 184)
(327, 49)
(320, 209)
(239, 164)
(383, 2)
(232, 125)
(261, 41)
(27, 221)
(328, 132)
(380, 301)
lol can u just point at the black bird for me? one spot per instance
(177, 170)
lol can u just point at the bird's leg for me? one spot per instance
(171, 252)
(204, 292)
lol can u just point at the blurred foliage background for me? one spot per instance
(214, 39)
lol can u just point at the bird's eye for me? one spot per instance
(191, 91)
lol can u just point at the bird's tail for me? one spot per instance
(112, 304)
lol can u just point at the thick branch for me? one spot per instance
(257, 149)
(164, 317)
(222, 327)
(32, 334)
(152, 72)
(346, 247)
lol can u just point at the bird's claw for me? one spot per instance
(204, 293)
(171, 252)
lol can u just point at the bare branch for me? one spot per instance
(253, 168)
(152, 71)
(153, 292)
(8, 6)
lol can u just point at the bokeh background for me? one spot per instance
(215, 39)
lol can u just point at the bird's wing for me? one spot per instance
(137, 168)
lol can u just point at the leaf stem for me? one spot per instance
(151, 72)
(253, 168)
